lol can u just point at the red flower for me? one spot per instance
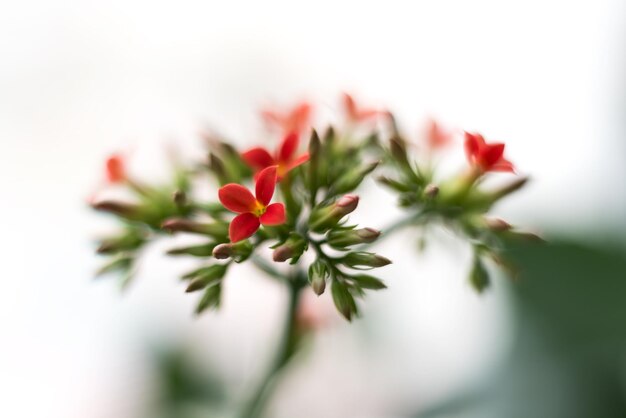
(356, 114)
(296, 120)
(437, 137)
(284, 158)
(487, 157)
(115, 169)
(253, 211)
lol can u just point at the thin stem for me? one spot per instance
(266, 267)
(395, 227)
(286, 349)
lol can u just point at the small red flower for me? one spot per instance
(284, 159)
(253, 211)
(437, 137)
(116, 169)
(298, 119)
(356, 114)
(487, 157)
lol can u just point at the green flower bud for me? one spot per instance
(398, 150)
(128, 211)
(239, 251)
(340, 239)
(363, 259)
(318, 273)
(325, 217)
(290, 249)
(180, 198)
(202, 250)
(431, 191)
(497, 224)
(479, 278)
(214, 229)
(351, 180)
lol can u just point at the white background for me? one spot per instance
(81, 79)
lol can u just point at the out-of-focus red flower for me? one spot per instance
(284, 158)
(486, 157)
(116, 169)
(437, 136)
(253, 211)
(354, 113)
(297, 120)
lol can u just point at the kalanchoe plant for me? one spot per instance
(300, 207)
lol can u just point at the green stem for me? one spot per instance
(287, 347)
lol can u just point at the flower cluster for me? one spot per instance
(315, 190)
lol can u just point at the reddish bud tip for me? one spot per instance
(282, 253)
(223, 251)
(347, 204)
(497, 224)
(431, 191)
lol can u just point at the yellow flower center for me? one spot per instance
(259, 209)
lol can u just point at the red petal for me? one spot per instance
(274, 214)
(243, 226)
(349, 106)
(491, 154)
(237, 198)
(300, 117)
(265, 184)
(472, 145)
(115, 170)
(271, 117)
(288, 147)
(258, 158)
(366, 114)
(295, 163)
(503, 165)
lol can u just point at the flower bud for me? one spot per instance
(431, 191)
(239, 251)
(223, 251)
(325, 217)
(180, 198)
(346, 204)
(362, 259)
(497, 224)
(344, 238)
(203, 250)
(216, 165)
(292, 248)
(215, 229)
(479, 278)
(125, 210)
(318, 273)
(351, 180)
(397, 147)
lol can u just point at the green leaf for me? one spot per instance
(122, 263)
(344, 302)
(479, 278)
(202, 250)
(365, 281)
(217, 270)
(210, 299)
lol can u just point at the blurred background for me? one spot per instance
(82, 79)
